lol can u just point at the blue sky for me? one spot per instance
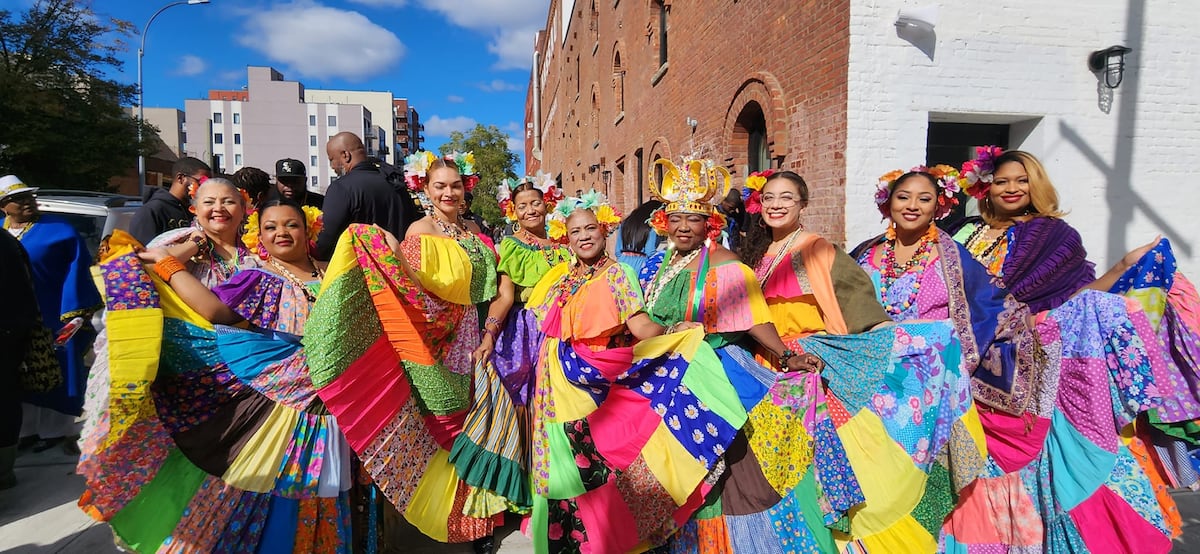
(457, 61)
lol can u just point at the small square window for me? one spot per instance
(314, 180)
(312, 121)
(333, 121)
(237, 159)
(312, 160)
(237, 138)
(237, 118)
(218, 138)
(217, 117)
(312, 140)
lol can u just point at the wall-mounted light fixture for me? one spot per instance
(1111, 61)
(691, 122)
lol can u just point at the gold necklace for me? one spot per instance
(24, 229)
(287, 274)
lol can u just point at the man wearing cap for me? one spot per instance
(291, 182)
(64, 290)
(166, 208)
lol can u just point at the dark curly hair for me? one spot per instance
(254, 181)
(758, 235)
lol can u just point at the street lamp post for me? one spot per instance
(142, 92)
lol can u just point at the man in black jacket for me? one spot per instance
(362, 193)
(166, 208)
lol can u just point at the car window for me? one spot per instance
(90, 227)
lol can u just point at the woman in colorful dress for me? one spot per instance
(624, 434)
(65, 292)
(510, 331)
(697, 280)
(254, 461)
(1059, 476)
(123, 440)
(414, 303)
(1023, 241)
(885, 429)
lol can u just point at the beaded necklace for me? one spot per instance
(890, 271)
(221, 267)
(458, 231)
(779, 255)
(287, 274)
(576, 278)
(552, 252)
(990, 254)
(666, 274)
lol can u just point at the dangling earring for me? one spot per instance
(516, 227)
(261, 251)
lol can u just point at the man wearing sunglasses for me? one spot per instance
(166, 208)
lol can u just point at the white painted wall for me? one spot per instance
(1124, 175)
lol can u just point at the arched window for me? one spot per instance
(662, 8)
(751, 127)
(618, 85)
(595, 119)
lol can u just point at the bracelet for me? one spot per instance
(203, 246)
(785, 356)
(167, 267)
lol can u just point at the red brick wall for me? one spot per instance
(789, 56)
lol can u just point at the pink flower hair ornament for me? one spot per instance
(977, 173)
(752, 191)
(946, 178)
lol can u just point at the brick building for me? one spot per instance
(840, 92)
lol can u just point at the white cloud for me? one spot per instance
(516, 145)
(438, 126)
(190, 65)
(512, 24)
(322, 42)
(381, 3)
(497, 85)
(512, 128)
(514, 47)
(455, 99)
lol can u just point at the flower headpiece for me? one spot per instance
(752, 191)
(312, 223)
(946, 179)
(543, 182)
(977, 173)
(416, 166)
(591, 200)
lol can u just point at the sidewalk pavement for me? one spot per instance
(40, 515)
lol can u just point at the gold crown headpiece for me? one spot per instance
(693, 188)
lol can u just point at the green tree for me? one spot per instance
(61, 121)
(494, 162)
